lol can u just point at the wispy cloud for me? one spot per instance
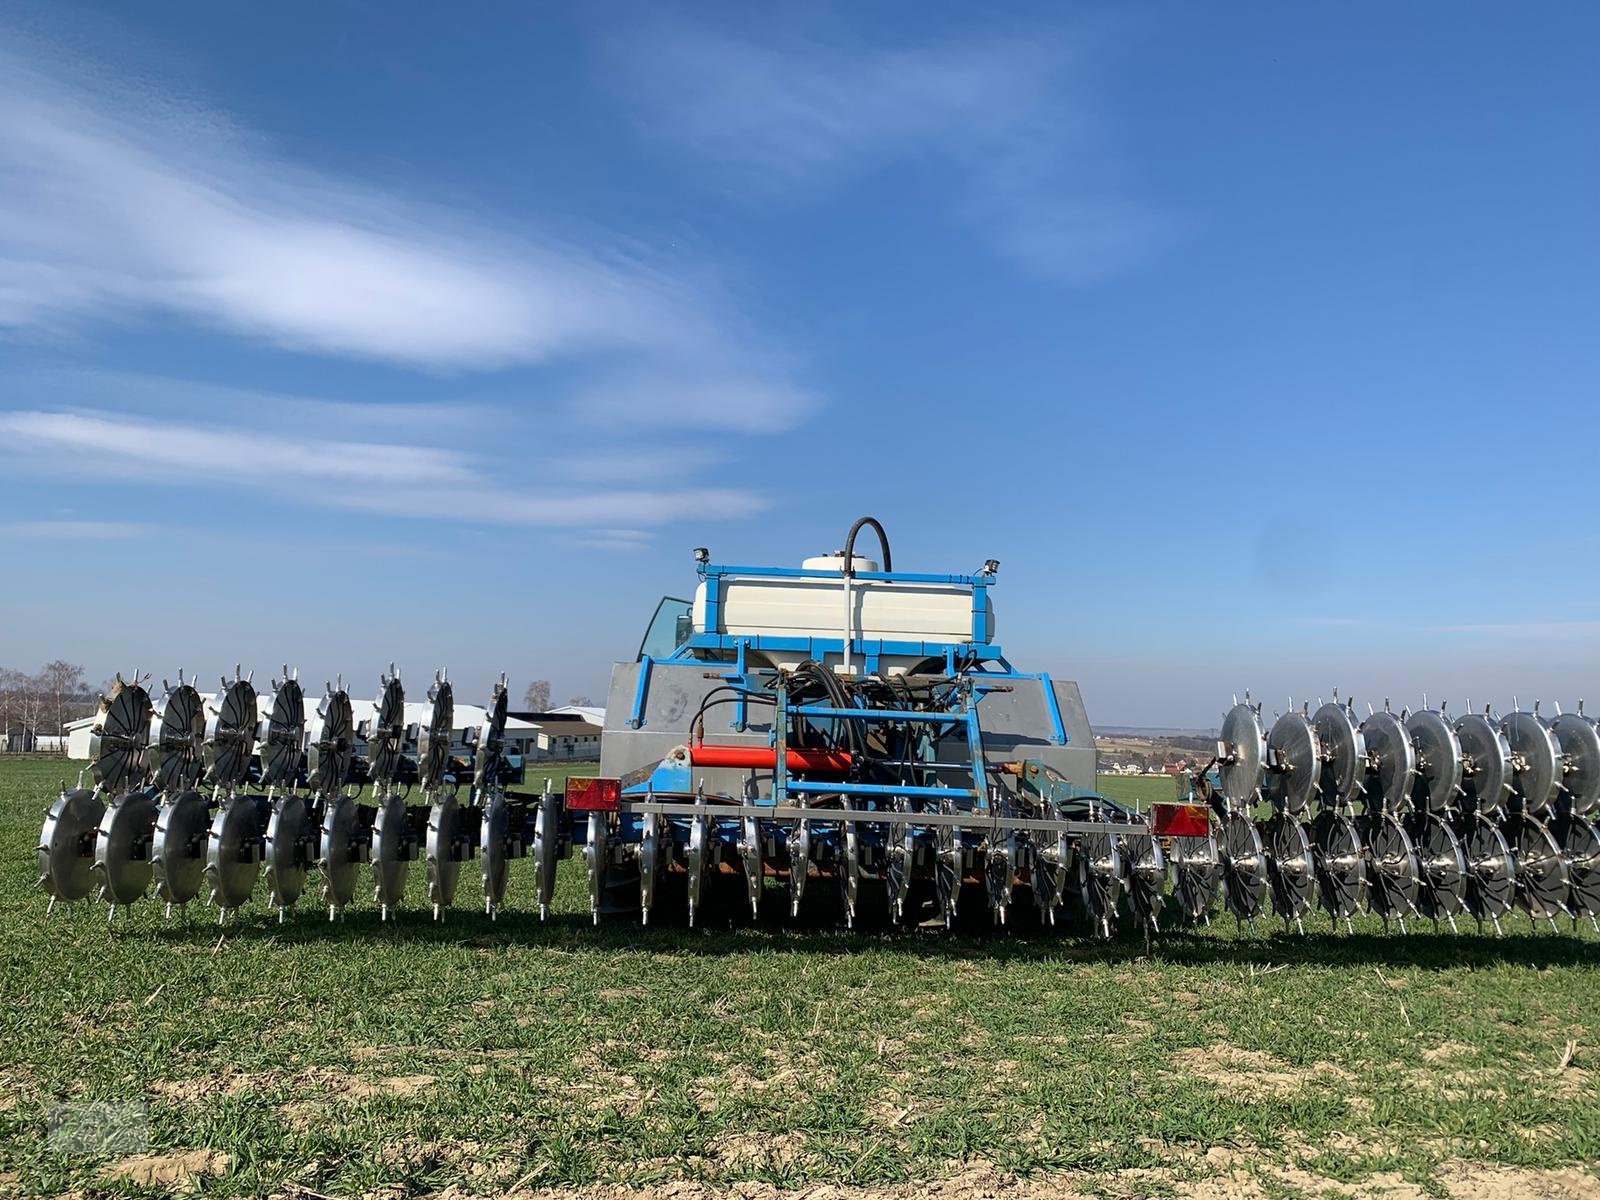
(1531, 630)
(118, 201)
(1008, 114)
(75, 530)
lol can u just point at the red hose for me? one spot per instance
(826, 762)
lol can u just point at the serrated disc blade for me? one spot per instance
(1344, 753)
(433, 743)
(1441, 866)
(1296, 758)
(67, 844)
(1289, 864)
(1579, 740)
(332, 744)
(1196, 875)
(179, 735)
(1438, 751)
(122, 851)
(493, 837)
(444, 851)
(1144, 872)
(283, 746)
(1340, 867)
(121, 737)
(545, 850)
(391, 852)
(1491, 871)
(1580, 843)
(1537, 778)
(1244, 867)
(1487, 758)
(1246, 744)
(340, 861)
(233, 853)
(386, 740)
(231, 735)
(1393, 760)
(179, 859)
(490, 750)
(288, 850)
(1541, 867)
(1391, 866)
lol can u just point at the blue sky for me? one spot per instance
(1256, 341)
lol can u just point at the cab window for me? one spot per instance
(670, 628)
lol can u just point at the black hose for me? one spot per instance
(850, 545)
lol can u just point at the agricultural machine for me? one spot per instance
(844, 738)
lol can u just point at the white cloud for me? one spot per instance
(734, 404)
(75, 530)
(1006, 113)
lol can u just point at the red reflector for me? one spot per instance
(1181, 820)
(588, 794)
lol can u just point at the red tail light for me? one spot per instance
(588, 794)
(1181, 820)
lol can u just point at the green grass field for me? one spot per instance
(470, 1058)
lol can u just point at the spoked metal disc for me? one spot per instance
(332, 749)
(122, 851)
(67, 845)
(1487, 762)
(1392, 881)
(288, 851)
(491, 746)
(595, 856)
(233, 853)
(340, 856)
(446, 836)
(121, 737)
(283, 744)
(179, 734)
(231, 734)
(1438, 750)
(1244, 867)
(1246, 744)
(1344, 753)
(1541, 867)
(1580, 844)
(495, 861)
(1295, 753)
(1290, 870)
(1047, 872)
(433, 744)
(546, 848)
(1144, 870)
(1196, 875)
(386, 739)
(1340, 868)
(1393, 760)
(1579, 739)
(1441, 867)
(1491, 871)
(178, 858)
(1098, 877)
(1536, 775)
(1000, 873)
(391, 854)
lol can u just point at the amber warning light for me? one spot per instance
(587, 794)
(1175, 820)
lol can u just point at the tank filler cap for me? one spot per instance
(835, 562)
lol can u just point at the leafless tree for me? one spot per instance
(537, 697)
(62, 684)
(580, 702)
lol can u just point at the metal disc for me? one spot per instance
(386, 738)
(391, 853)
(287, 852)
(491, 747)
(1491, 871)
(67, 844)
(233, 853)
(122, 851)
(1487, 758)
(1579, 740)
(1340, 868)
(433, 744)
(1441, 867)
(178, 858)
(1392, 881)
(1541, 868)
(1244, 867)
(1539, 777)
(231, 734)
(332, 744)
(121, 737)
(1296, 758)
(1196, 875)
(340, 860)
(1438, 779)
(1580, 843)
(546, 839)
(179, 733)
(283, 744)
(1344, 753)
(444, 852)
(1393, 759)
(595, 858)
(1144, 870)
(1290, 869)
(1098, 876)
(492, 838)
(850, 871)
(1246, 745)
(1046, 872)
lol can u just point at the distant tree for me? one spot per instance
(580, 701)
(537, 697)
(62, 683)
